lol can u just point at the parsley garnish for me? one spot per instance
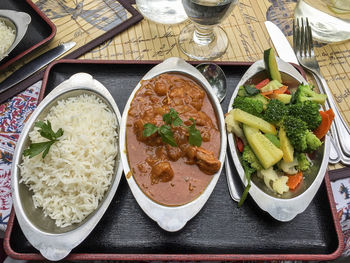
(172, 119)
(46, 132)
(164, 131)
(195, 137)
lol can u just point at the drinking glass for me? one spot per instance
(329, 19)
(204, 39)
(162, 11)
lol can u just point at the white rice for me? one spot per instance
(7, 37)
(71, 180)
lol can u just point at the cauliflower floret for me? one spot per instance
(280, 185)
(273, 180)
(289, 168)
(269, 175)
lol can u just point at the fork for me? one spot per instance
(303, 48)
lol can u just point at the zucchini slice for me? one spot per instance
(271, 65)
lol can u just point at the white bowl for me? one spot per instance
(53, 242)
(19, 22)
(287, 206)
(175, 217)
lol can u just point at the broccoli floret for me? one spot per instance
(250, 165)
(249, 156)
(296, 131)
(312, 141)
(248, 170)
(275, 111)
(303, 162)
(260, 97)
(308, 112)
(248, 104)
(305, 93)
(302, 139)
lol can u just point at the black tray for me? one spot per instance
(220, 230)
(40, 30)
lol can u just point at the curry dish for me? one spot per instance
(172, 175)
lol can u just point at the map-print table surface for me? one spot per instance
(149, 41)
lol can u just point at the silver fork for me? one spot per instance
(303, 48)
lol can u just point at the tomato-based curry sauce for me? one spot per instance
(172, 175)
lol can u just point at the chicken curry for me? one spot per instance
(167, 166)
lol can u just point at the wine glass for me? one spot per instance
(168, 12)
(203, 39)
(329, 19)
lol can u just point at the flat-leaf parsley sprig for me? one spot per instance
(172, 119)
(46, 132)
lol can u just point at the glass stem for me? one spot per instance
(203, 35)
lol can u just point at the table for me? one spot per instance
(149, 41)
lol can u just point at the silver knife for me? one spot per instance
(35, 65)
(281, 43)
(286, 52)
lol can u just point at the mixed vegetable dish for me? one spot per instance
(276, 129)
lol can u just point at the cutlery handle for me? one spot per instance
(345, 160)
(340, 124)
(233, 188)
(335, 151)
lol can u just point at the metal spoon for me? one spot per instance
(217, 79)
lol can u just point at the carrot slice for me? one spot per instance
(323, 128)
(330, 114)
(239, 143)
(272, 93)
(267, 93)
(262, 83)
(281, 90)
(294, 180)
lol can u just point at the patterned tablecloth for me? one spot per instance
(13, 115)
(147, 40)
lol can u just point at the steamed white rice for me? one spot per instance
(71, 180)
(7, 37)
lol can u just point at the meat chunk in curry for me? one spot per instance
(168, 174)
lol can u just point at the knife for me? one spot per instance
(34, 65)
(281, 43)
(286, 52)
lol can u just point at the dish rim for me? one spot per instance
(173, 218)
(275, 206)
(56, 246)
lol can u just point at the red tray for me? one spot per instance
(220, 231)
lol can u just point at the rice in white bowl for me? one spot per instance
(71, 180)
(7, 37)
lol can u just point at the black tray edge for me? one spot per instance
(183, 257)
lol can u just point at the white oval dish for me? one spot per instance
(55, 243)
(173, 218)
(283, 208)
(19, 22)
